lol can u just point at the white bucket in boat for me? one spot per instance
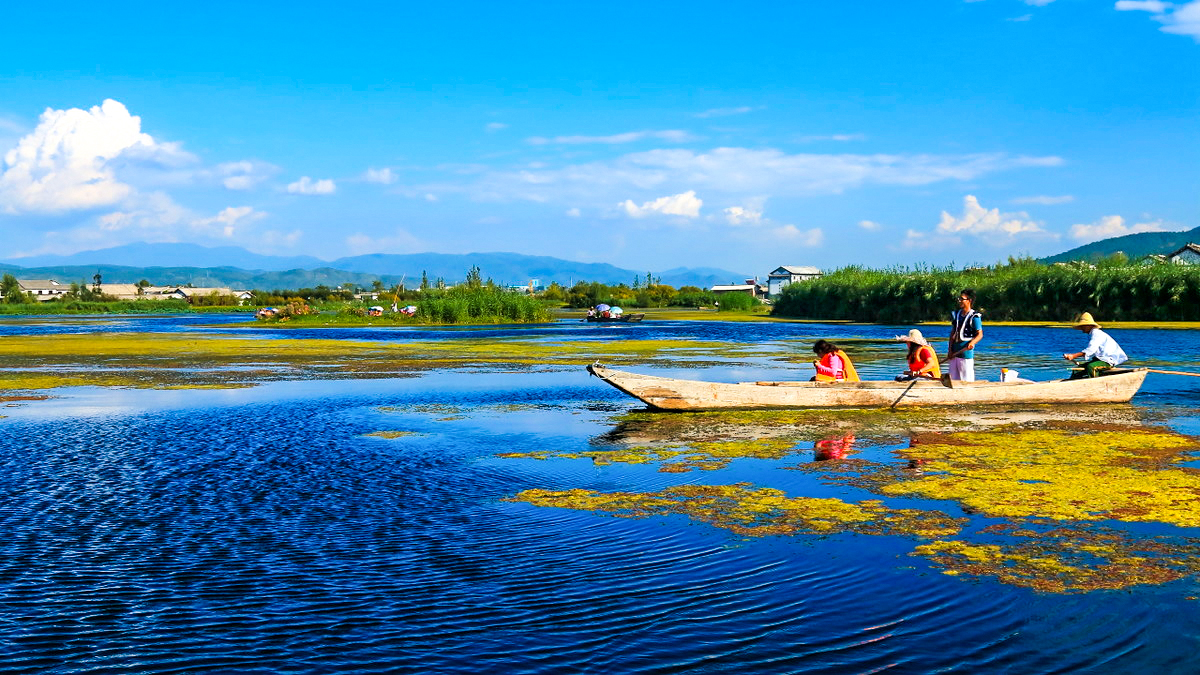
(1008, 375)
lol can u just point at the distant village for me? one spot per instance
(778, 279)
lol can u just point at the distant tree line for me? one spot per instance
(1020, 290)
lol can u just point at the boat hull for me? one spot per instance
(666, 393)
(624, 318)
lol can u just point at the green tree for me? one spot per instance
(424, 281)
(474, 277)
(11, 289)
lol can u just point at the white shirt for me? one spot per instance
(1102, 346)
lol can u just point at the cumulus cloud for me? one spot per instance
(686, 204)
(70, 160)
(979, 221)
(383, 176)
(870, 225)
(308, 186)
(228, 219)
(1180, 19)
(743, 215)
(1044, 200)
(669, 135)
(1111, 226)
(726, 112)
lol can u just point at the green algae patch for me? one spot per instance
(678, 459)
(1068, 560)
(1085, 475)
(392, 435)
(751, 511)
(161, 359)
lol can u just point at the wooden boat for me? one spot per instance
(624, 318)
(665, 393)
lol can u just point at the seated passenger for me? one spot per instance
(1102, 351)
(834, 365)
(922, 361)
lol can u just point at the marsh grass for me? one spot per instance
(1019, 291)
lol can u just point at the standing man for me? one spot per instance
(966, 331)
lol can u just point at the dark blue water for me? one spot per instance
(260, 530)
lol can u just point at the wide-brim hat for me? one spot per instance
(1085, 319)
(914, 335)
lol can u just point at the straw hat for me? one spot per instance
(914, 335)
(1085, 319)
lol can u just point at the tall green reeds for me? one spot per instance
(480, 305)
(1014, 292)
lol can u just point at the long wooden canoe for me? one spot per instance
(667, 393)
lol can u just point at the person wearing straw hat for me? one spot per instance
(1102, 351)
(922, 360)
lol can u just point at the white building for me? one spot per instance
(781, 277)
(1188, 255)
(44, 290)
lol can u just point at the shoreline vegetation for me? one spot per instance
(1022, 292)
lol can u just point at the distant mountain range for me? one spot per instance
(1133, 245)
(168, 264)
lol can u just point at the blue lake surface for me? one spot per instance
(260, 530)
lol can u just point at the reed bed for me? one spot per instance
(1018, 291)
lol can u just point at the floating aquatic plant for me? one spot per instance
(751, 511)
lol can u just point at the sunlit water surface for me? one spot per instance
(263, 530)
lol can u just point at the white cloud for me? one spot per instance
(229, 218)
(738, 171)
(811, 238)
(685, 204)
(726, 112)
(383, 176)
(841, 138)
(988, 224)
(430, 197)
(1038, 3)
(1155, 6)
(1044, 200)
(574, 213)
(742, 215)
(496, 126)
(870, 225)
(670, 135)
(399, 241)
(308, 186)
(276, 239)
(245, 174)
(1111, 226)
(1178, 19)
(1021, 19)
(69, 161)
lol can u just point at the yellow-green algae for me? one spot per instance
(391, 435)
(1129, 474)
(162, 359)
(1069, 560)
(700, 455)
(751, 511)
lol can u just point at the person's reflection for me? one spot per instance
(915, 464)
(834, 447)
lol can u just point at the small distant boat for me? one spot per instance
(665, 393)
(622, 318)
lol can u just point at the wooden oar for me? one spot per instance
(1173, 372)
(910, 386)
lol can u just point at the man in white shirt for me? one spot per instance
(1102, 351)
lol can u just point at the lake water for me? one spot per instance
(263, 530)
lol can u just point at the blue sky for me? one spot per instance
(648, 135)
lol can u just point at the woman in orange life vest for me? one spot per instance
(834, 365)
(922, 360)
